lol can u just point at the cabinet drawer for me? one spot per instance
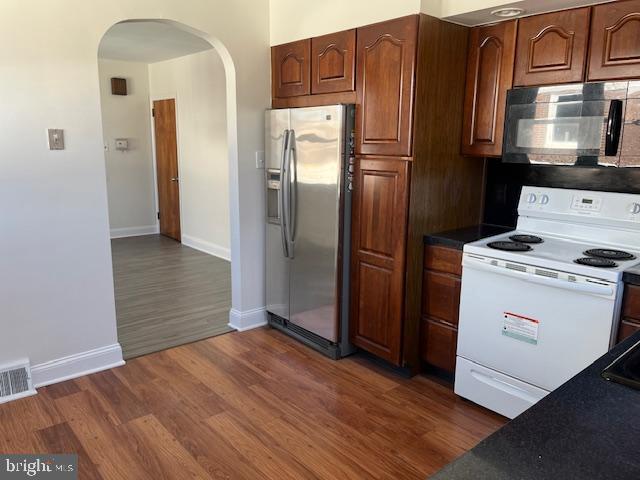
(441, 296)
(443, 259)
(439, 345)
(631, 302)
(626, 329)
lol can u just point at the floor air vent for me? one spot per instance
(515, 266)
(15, 382)
(546, 273)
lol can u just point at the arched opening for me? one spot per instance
(172, 183)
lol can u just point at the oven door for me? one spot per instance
(565, 125)
(530, 326)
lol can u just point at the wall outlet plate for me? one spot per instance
(56, 138)
(122, 144)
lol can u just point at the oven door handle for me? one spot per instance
(593, 288)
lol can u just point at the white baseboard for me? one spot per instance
(248, 319)
(206, 247)
(134, 231)
(77, 365)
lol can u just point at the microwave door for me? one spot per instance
(565, 125)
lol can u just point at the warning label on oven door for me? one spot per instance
(521, 328)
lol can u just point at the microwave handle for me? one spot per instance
(614, 128)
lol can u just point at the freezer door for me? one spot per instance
(315, 183)
(277, 267)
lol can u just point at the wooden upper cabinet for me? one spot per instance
(333, 62)
(378, 246)
(489, 76)
(291, 69)
(615, 41)
(552, 48)
(386, 57)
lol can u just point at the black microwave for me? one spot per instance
(588, 124)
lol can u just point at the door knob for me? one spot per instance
(174, 179)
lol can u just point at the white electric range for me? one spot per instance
(541, 303)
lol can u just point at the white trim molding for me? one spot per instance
(254, 318)
(77, 365)
(207, 247)
(134, 231)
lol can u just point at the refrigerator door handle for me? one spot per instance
(293, 172)
(282, 195)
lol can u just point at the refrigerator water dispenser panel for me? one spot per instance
(273, 196)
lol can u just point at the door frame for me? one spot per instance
(153, 98)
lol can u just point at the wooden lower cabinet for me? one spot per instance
(379, 226)
(439, 342)
(440, 306)
(630, 321)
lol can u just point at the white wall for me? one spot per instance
(197, 83)
(56, 285)
(130, 181)
(293, 20)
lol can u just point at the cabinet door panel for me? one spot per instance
(378, 255)
(291, 69)
(615, 41)
(439, 345)
(489, 76)
(386, 56)
(333, 62)
(552, 48)
(441, 296)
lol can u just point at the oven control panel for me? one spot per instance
(586, 204)
(609, 209)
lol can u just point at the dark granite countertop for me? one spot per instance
(632, 275)
(588, 428)
(457, 238)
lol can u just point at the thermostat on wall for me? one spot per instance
(122, 144)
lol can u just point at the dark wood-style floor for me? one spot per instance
(247, 405)
(167, 294)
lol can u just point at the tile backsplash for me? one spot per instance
(505, 180)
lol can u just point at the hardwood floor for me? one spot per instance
(246, 406)
(167, 294)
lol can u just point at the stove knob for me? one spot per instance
(532, 198)
(544, 199)
(634, 208)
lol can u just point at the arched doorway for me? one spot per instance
(156, 307)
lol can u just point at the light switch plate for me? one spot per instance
(260, 159)
(56, 138)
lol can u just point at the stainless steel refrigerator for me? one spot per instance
(308, 165)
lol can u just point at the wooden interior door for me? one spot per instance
(552, 48)
(378, 255)
(164, 120)
(386, 58)
(615, 41)
(490, 61)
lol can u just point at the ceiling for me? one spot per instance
(148, 42)
(464, 13)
